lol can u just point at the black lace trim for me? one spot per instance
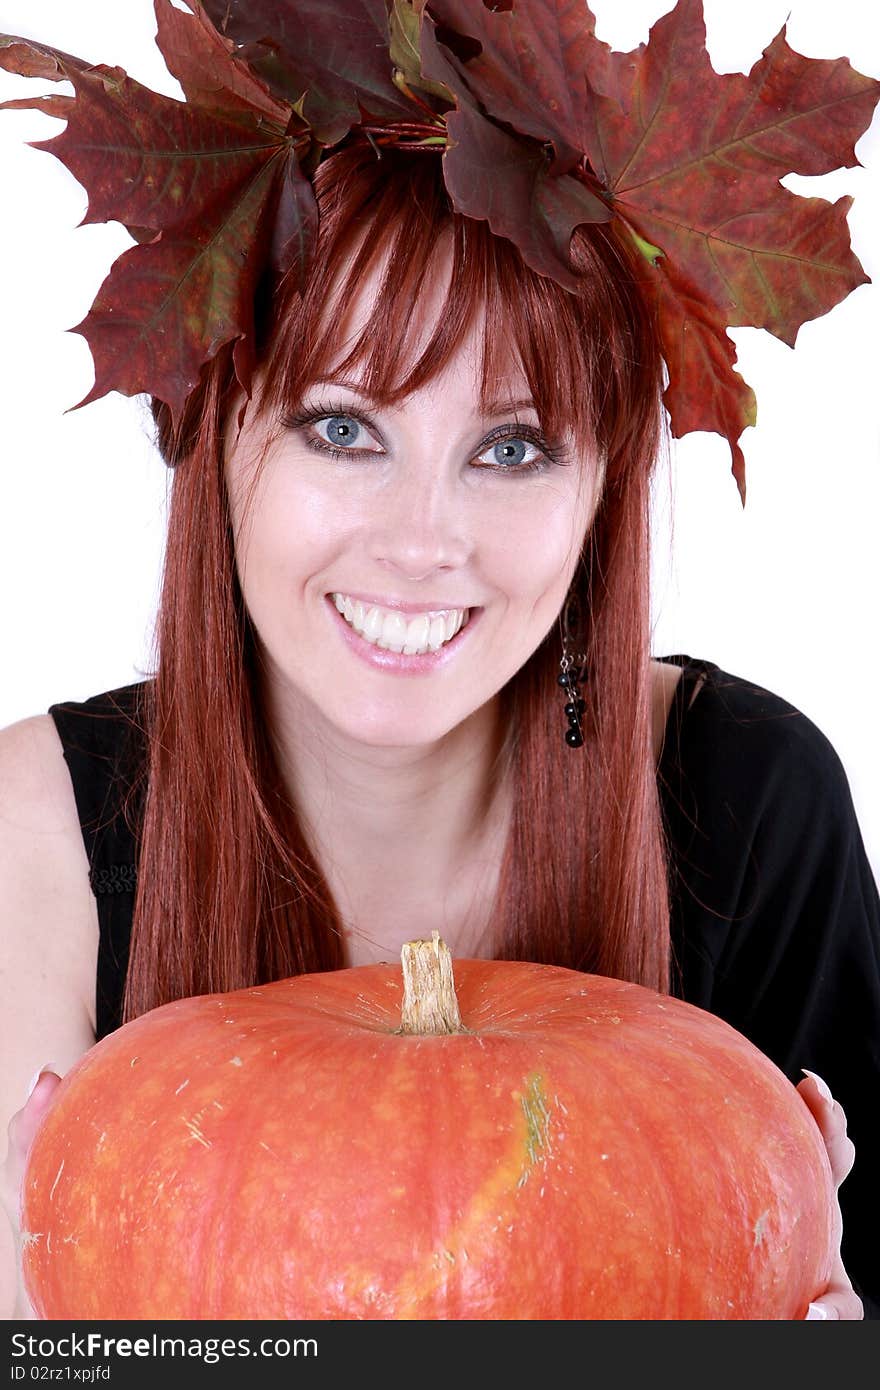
(118, 878)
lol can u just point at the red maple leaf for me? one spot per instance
(548, 129)
(691, 161)
(199, 57)
(198, 184)
(332, 56)
(504, 177)
(695, 169)
(539, 69)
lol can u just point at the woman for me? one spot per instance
(440, 432)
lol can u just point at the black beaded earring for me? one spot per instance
(572, 669)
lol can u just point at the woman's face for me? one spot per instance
(410, 514)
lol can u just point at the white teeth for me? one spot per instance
(344, 605)
(390, 629)
(372, 627)
(417, 635)
(437, 634)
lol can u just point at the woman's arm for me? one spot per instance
(776, 915)
(48, 950)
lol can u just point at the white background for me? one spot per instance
(785, 592)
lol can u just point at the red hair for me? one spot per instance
(229, 893)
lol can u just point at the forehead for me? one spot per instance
(364, 286)
(425, 313)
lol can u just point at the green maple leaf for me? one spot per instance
(404, 24)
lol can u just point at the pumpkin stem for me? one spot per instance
(430, 1005)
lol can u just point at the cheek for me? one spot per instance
(284, 535)
(293, 502)
(261, 532)
(265, 519)
(537, 547)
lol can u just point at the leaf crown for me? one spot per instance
(541, 127)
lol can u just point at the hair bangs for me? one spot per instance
(398, 221)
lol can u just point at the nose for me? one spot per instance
(419, 523)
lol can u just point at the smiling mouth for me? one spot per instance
(389, 630)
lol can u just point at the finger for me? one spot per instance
(21, 1132)
(25, 1122)
(831, 1119)
(845, 1305)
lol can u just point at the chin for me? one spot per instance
(396, 734)
(393, 723)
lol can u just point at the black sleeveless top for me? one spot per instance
(775, 915)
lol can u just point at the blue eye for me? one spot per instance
(513, 453)
(510, 452)
(341, 429)
(339, 432)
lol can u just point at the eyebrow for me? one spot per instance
(496, 407)
(502, 407)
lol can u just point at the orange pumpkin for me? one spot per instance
(568, 1146)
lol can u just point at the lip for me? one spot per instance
(371, 601)
(396, 663)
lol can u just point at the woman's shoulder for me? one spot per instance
(753, 791)
(721, 721)
(35, 792)
(96, 725)
(56, 773)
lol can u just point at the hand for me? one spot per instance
(838, 1299)
(22, 1128)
